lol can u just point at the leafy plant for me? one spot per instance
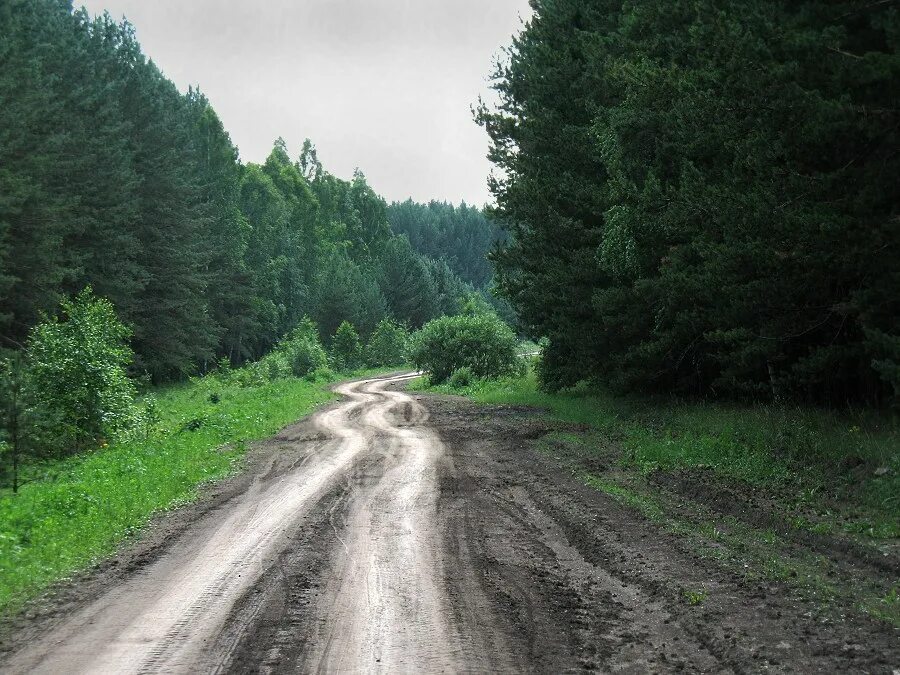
(694, 598)
(480, 342)
(461, 378)
(346, 348)
(387, 345)
(302, 350)
(77, 371)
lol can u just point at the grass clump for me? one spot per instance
(693, 597)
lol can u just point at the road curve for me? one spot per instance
(379, 536)
(386, 608)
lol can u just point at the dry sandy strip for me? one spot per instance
(386, 605)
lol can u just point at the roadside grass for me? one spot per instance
(842, 472)
(816, 472)
(82, 508)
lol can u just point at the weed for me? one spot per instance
(694, 598)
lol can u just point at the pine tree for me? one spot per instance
(698, 197)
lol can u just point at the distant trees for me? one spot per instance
(110, 177)
(702, 198)
(461, 235)
(387, 345)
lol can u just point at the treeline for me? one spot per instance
(703, 196)
(70, 390)
(112, 178)
(462, 235)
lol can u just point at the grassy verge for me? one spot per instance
(84, 507)
(813, 455)
(694, 468)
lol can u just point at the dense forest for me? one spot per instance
(703, 199)
(461, 235)
(112, 178)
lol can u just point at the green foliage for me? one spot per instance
(77, 370)
(387, 345)
(302, 350)
(462, 235)
(695, 598)
(346, 349)
(461, 378)
(344, 290)
(480, 342)
(409, 289)
(701, 197)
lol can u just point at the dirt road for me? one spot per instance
(401, 533)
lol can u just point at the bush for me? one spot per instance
(325, 374)
(346, 348)
(77, 371)
(301, 350)
(480, 342)
(461, 378)
(387, 346)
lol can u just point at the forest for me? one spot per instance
(703, 200)
(111, 178)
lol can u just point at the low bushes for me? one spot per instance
(69, 389)
(302, 349)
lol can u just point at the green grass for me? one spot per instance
(86, 506)
(813, 458)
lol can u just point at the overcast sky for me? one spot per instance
(383, 85)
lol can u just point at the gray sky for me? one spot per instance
(385, 85)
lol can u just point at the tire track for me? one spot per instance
(162, 618)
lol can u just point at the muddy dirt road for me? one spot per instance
(401, 533)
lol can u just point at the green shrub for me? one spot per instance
(325, 374)
(301, 350)
(461, 378)
(387, 346)
(77, 371)
(480, 342)
(346, 348)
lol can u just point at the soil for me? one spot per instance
(404, 532)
